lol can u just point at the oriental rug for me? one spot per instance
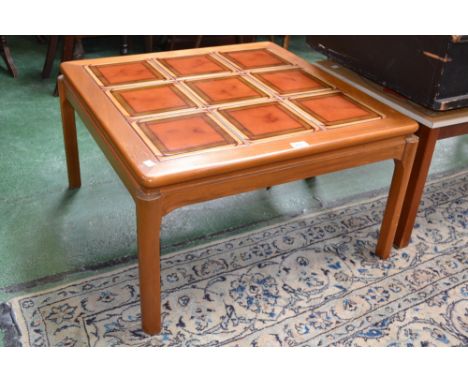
(309, 281)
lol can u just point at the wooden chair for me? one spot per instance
(72, 50)
(6, 54)
(172, 42)
(198, 41)
(285, 41)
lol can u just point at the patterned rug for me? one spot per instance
(310, 281)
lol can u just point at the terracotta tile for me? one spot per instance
(333, 109)
(193, 65)
(290, 81)
(186, 133)
(152, 99)
(225, 89)
(117, 74)
(266, 120)
(254, 58)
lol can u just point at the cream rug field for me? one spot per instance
(310, 281)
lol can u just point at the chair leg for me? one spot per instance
(286, 42)
(239, 39)
(68, 47)
(148, 44)
(50, 56)
(198, 41)
(124, 45)
(67, 54)
(41, 39)
(78, 49)
(6, 54)
(172, 44)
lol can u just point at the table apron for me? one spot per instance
(263, 176)
(453, 131)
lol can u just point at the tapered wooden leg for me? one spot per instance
(149, 215)
(69, 137)
(286, 42)
(422, 162)
(396, 196)
(5, 53)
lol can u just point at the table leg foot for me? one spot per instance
(396, 196)
(149, 215)
(422, 162)
(70, 138)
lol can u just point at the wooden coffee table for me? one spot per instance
(188, 126)
(433, 126)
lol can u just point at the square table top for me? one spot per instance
(425, 116)
(182, 115)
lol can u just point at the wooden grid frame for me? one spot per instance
(325, 86)
(318, 125)
(95, 70)
(163, 62)
(242, 67)
(224, 112)
(117, 95)
(107, 89)
(241, 78)
(372, 114)
(155, 142)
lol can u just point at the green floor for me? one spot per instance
(49, 233)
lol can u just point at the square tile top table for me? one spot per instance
(178, 116)
(189, 126)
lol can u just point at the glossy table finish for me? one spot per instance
(188, 126)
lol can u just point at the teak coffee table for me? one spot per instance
(433, 126)
(188, 126)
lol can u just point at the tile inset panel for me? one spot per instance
(194, 65)
(264, 120)
(334, 109)
(254, 58)
(126, 72)
(152, 99)
(225, 89)
(188, 133)
(291, 81)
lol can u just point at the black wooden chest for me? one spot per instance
(430, 70)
